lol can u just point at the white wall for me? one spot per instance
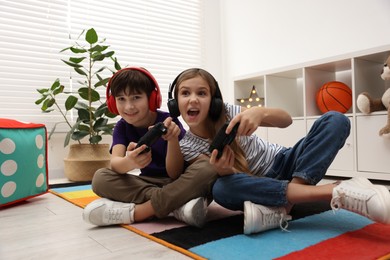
(259, 35)
(247, 36)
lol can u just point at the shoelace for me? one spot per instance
(114, 215)
(274, 218)
(354, 202)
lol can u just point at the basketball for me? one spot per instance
(334, 96)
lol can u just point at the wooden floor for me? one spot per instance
(48, 227)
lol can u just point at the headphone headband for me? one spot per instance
(155, 98)
(173, 84)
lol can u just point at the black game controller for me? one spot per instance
(152, 136)
(222, 139)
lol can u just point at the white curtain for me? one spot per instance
(163, 36)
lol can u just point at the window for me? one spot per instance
(163, 36)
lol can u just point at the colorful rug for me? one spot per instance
(316, 232)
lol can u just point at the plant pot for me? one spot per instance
(84, 159)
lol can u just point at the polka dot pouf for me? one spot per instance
(23, 161)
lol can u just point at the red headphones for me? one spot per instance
(154, 99)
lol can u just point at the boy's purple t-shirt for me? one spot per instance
(125, 133)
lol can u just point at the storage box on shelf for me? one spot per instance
(294, 89)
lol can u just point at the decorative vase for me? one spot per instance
(84, 159)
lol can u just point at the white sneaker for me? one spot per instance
(193, 212)
(258, 218)
(359, 195)
(105, 212)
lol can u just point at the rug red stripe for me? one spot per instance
(370, 242)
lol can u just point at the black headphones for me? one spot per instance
(216, 104)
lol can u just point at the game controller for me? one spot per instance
(222, 139)
(152, 136)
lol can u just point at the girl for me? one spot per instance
(263, 179)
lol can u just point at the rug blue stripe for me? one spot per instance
(74, 188)
(304, 232)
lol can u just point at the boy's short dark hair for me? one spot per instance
(131, 82)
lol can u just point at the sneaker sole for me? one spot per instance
(248, 208)
(199, 211)
(385, 197)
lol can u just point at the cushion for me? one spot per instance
(23, 161)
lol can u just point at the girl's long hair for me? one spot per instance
(240, 162)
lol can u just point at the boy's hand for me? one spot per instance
(173, 131)
(137, 159)
(223, 165)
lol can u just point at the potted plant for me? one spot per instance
(92, 114)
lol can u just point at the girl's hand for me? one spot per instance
(135, 157)
(173, 130)
(249, 121)
(223, 165)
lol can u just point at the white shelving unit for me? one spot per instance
(294, 89)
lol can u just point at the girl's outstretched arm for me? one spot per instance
(251, 118)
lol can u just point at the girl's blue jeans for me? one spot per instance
(308, 159)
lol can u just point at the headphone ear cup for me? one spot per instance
(111, 105)
(153, 101)
(215, 108)
(173, 108)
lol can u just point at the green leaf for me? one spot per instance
(97, 48)
(101, 122)
(43, 90)
(67, 139)
(83, 115)
(39, 101)
(81, 72)
(108, 129)
(83, 92)
(53, 130)
(75, 65)
(100, 111)
(70, 102)
(69, 134)
(116, 64)
(48, 110)
(77, 60)
(48, 103)
(100, 70)
(81, 105)
(56, 84)
(84, 128)
(91, 37)
(98, 57)
(109, 114)
(67, 48)
(102, 82)
(95, 139)
(59, 90)
(109, 54)
(77, 50)
(78, 135)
